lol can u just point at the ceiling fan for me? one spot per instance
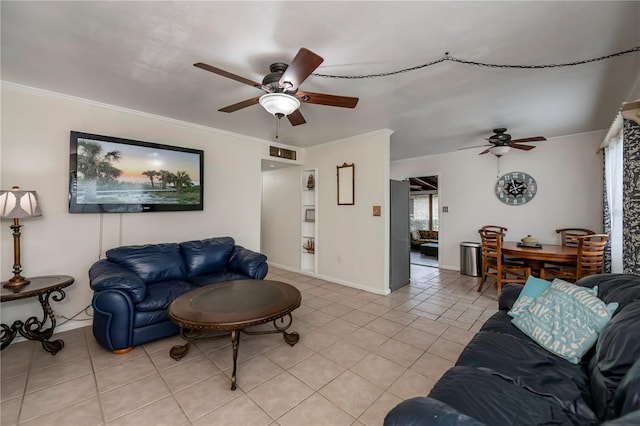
(501, 143)
(282, 96)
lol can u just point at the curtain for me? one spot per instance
(613, 196)
(631, 197)
(621, 148)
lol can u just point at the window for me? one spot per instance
(423, 212)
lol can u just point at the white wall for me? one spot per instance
(35, 156)
(568, 171)
(352, 246)
(281, 216)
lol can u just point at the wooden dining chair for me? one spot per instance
(493, 264)
(495, 228)
(503, 231)
(589, 261)
(569, 236)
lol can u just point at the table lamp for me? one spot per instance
(16, 204)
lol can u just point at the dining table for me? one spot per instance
(536, 256)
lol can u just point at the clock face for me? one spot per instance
(516, 188)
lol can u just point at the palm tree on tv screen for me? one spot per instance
(165, 178)
(94, 166)
(151, 174)
(182, 180)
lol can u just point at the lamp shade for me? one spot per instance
(16, 203)
(279, 103)
(499, 150)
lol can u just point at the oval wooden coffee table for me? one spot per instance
(234, 306)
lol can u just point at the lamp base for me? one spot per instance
(16, 282)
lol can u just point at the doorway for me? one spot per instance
(424, 220)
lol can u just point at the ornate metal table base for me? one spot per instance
(179, 351)
(43, 288)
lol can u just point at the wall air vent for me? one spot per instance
(275, 151)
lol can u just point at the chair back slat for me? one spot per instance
(569, 236)
(590, 254)
(493, 265)
(495, 228)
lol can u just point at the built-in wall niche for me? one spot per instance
(308, 221)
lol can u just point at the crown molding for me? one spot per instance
(56, 95)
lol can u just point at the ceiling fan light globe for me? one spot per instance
(279, 103)
(499, 150)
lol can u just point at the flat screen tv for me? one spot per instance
(114, 175)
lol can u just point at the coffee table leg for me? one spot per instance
(179, 351)
(235, 343)
(290, 338)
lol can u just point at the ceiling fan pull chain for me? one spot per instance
(498, 174)
(277, 126)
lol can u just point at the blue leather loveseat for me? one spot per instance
(504, 378)
(134, 285)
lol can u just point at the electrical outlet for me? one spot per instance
(445, 209)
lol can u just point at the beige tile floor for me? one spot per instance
(359, 355)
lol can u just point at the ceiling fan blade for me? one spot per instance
(296, 118)
(532, 139)
(301, 67)
(227, 74)
(475, 146)
(485, 151)
(524, 147)
(240, 105)
(330, 100)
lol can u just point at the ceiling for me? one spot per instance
(423, 183)
(140, 55)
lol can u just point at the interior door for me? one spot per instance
(399, 252)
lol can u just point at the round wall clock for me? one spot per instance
(516, 188)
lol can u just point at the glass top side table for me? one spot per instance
(43, 288)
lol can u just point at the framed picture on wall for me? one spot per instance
(346, 184)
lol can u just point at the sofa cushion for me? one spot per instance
(621, 288)
(218, 277)
(428, 235)
(152, 262)
(142, 319)
(208, 256)
(160, 295)
(519, 361)
(565, 319)
(491, 399)
(500, 322)
(617, 349)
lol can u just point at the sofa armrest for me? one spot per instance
(509, 295)
(422, 411)
(248, 262)
(106, 275)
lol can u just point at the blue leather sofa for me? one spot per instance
(134, 285)
(504, 378)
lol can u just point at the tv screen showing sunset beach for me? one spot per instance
(111, 171)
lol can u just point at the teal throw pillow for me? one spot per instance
(533, 288)
(565, 319)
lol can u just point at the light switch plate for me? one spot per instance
(377, 210)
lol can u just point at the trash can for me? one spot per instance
(471, 258)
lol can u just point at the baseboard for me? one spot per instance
(331, 279)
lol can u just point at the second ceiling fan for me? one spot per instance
(501, 143)
(282, 96)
